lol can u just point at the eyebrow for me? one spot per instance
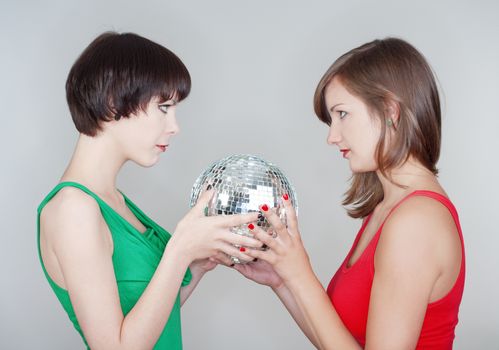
(336, 105)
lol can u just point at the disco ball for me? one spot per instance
(242, 183)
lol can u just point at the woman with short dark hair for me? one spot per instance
(120, 276)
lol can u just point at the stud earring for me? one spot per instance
(389, 123)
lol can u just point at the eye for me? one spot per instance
(342, 114)
(164, 108)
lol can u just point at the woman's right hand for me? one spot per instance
(200, 237)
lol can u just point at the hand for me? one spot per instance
(204, 265)
(260, 272)
(286, 252)
(199, 237)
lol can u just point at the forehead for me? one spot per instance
(336, 93)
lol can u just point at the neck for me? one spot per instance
(412, 175)
(95, 163)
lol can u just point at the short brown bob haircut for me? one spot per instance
(118, 74)
(381, 72)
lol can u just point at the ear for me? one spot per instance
(392, 111)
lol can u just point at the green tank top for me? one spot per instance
(135, 257)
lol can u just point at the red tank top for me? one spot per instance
(350, 290)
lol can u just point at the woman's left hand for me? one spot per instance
(204, 265)
(286, 252)
(260, 272)
(198, 269)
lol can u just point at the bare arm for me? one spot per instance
(289, 302)
(320, 315)
(263, 273)
(79, 243)
(186, 291)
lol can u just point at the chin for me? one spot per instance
(360, 169)
(146, 163)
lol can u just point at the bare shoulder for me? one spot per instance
(69, 204)
(421, 229)
(421, 215)
(69, 213)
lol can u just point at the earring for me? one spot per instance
(389, 123)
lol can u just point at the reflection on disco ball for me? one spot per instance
(242, 183)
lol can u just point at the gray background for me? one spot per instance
(255, 65)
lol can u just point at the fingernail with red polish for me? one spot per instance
(251, 226)
(265, 207)
(285, 196)
(242, 249)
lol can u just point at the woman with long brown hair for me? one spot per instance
(401, 284)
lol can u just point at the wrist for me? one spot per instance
(304, 276)
(174, 251)
(197, 270)
(279, 288)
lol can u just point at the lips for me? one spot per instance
(162, 147)
(345, 152)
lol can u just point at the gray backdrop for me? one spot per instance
(255, 65)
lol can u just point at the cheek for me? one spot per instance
(364, 141)
(370, 161)
(366, 152)
(146, 133)
(373, 143)
(372, 137)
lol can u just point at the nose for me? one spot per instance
(172, 127)
(333, 137)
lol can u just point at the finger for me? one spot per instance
(236, 219)
(242, 268)
(291, 218)
(203, 201)
(233, 238)
(268, 255)
(239, 252)
(276, 223)
(222, 258)
(245, 269)
(264, 238)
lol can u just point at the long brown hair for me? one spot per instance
(382, 72)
